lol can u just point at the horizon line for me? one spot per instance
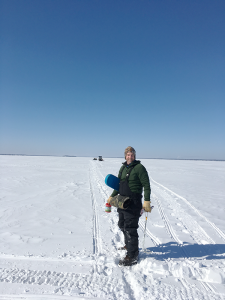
(202, 159)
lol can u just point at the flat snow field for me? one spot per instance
(57, 241)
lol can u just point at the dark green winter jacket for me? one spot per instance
(138, 179)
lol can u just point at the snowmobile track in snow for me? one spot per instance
(190, 224)
(218, 231)
(97, 245)
(81, 283)
(104, 280)
(154, 239)
(194, 229)
(206, 287)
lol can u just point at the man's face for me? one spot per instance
(129, 157)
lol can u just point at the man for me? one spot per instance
(133, 178)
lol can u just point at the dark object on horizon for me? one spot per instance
(100, 158)
(94, 158)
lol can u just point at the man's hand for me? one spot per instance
(110, 198)
(147, 206)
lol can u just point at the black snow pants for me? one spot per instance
(128, 218)
(128, 223)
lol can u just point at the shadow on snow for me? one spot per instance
(174, 250)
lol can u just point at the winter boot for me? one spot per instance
(128, 261)
(122, 248)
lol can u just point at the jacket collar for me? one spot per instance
(134, 163)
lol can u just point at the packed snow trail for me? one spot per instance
(200, 236)
(204, 287)
(183, 258)
(218, 231)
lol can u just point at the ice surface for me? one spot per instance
(57, 242)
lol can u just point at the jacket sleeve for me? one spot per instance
(114, 193)
(144, 179)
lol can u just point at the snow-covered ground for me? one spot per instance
(57, 241)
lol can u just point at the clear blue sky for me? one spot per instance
(92, 77)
